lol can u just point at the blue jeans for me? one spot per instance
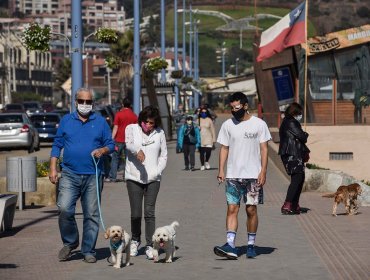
(71, 188)
(116, 158)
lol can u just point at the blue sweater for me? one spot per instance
(79, 139)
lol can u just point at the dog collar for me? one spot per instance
(116, 245)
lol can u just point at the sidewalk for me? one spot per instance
(309, 246)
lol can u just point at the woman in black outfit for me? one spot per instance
(294, 153)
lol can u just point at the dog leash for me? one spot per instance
(97, 190)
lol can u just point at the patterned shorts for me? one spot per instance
(236, 189)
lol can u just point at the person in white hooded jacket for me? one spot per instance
(146, 159)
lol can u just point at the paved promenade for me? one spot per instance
(309, 246)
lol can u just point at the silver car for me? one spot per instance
(17, 131)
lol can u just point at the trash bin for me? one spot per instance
(21, 176)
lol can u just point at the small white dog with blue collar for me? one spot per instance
(119, 242)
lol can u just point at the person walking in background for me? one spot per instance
(122, 119)
(294, 153)
(81, 135)
(188, 141)
(207, 137)
(146, 159)
(243, 140)
(179, 118)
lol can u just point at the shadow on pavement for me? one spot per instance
(259, 250)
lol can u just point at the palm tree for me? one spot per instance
(123, 50)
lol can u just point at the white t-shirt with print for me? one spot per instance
(243, 139)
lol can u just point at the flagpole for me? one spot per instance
(305, 68)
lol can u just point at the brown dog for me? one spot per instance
(347, 195)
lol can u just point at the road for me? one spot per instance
(41, 155)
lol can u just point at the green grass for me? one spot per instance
(208, 24)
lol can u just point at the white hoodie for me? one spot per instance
(154, 148)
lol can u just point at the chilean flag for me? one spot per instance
(289, 31)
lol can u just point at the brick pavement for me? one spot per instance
(310, 246)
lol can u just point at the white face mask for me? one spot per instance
(298, 118)
(84, 109)
(189, 122)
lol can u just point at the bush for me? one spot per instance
(42, 169)
(314, 166)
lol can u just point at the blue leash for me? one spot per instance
(97, 190)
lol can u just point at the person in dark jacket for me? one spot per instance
(189, 140)
(294, 153)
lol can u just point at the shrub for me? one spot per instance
(42, 169)
(314, 166)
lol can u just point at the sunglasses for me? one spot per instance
(150, 122)
(85, 101)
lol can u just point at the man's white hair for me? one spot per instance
(84, 90)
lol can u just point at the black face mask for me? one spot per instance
(238, 115)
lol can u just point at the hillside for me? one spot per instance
(326, 15)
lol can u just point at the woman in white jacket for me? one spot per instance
(146, 159)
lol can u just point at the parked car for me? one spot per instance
(14, 108)
(46, 124)
(17, 131)
(61, 112)
(47, 107)
(32, 107)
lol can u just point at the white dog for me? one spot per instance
(120, 242)
(164, 238)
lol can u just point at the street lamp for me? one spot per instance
(222, 51)
(177, 94)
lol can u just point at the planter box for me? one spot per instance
(44, 196)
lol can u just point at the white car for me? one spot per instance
(17, 131)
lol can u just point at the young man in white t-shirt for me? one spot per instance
(243, 140)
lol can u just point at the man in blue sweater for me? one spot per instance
(81, 135)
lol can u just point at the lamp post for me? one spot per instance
(163, 41)
(177, 94)
(223, 50)
(86, 58)
(137, 85)
(183, 38)
(109, 70)
(76, 50)
(196, 62)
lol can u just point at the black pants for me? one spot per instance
(136, 193)
(189, 151)
(295, 187)
(205, 154)
(295, 168)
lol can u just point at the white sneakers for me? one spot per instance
(149, 253)
(202, 168)
(134, 248)
(207, 165)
